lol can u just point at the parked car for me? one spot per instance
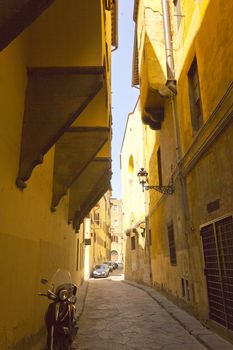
(101, 270)
(120, 265)
(110, 265)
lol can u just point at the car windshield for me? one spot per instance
(99, 267)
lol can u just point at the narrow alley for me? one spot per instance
(121, 317)
(116, 149)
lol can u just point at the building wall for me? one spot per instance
(200, 162)
(117, 229)
(100, 229)
(135, 207)
(34, 241)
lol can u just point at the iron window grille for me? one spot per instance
(171, 242)
(217, 239)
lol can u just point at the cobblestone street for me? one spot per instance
(119, 316)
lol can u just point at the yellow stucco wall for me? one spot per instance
(135, 206)
(205, 156)
(34, 241)
(77, 20)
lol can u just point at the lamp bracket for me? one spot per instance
(162, 189)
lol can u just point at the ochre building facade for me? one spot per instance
(55, 139)
(183, 66)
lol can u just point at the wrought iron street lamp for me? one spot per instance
(143, 180)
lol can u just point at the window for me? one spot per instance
(133, 243)
(194, 96)
(115, 222)
(115, 208)
(114, 239)
(178, 13)
(182, 288)
(77, 258)
(81, 256)
(217, 239)
(131, 168)
(159, 166)
(171, 241)
(97, 218)
(149, 237)
(187, 289)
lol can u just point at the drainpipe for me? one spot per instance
(171, 85)
(115, 9)
(171, 82)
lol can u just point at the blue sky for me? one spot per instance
(124, 96)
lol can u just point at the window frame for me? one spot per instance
(172, 243)
(195, 101)
(159, 167)
(133, 243)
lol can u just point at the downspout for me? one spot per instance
(115, 25)
(171, 84)
(171, 81)
(147, 216)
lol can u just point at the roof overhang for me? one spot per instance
(55, 98)
(152, 106)
(90, 186)
(74, 151)
(16, 15)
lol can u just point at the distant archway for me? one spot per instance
(114, 255)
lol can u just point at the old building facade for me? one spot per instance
(98, 234)
(55, 138)
(117, 251)
(183, 66)
(137, 243)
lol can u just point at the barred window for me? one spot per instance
(171, 241)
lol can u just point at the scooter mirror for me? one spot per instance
(44, 281)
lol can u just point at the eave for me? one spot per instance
(17, 15)
(85, 192)
(55, 98)
(74, 151)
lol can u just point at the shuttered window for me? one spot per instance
(171, 242)
(195, 97)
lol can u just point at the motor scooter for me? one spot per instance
(60, 317)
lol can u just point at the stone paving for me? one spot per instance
(118, 316)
